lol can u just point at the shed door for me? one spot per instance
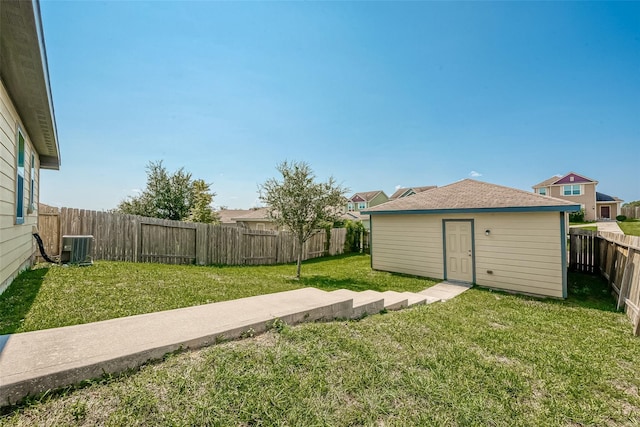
(458, 251)
(605, 212)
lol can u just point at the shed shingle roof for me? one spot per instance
(470, 194)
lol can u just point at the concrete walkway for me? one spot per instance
(33, 362)
(444, 291)
(610, 226)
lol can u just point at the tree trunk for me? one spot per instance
(300, 246)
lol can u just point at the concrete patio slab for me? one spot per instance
(34, 362)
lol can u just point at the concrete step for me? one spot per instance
(395, 300)
(392, 300)
(418, 299)
(364, 303)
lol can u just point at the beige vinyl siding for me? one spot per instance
(16, 242)
(523, 250)
(410, 244)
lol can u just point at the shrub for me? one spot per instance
(621, 218)
(354, 233)
(577, 216)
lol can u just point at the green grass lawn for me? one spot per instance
(62, 296)
(630, 226)
(483, 358)
(580, 223)
(589, 227)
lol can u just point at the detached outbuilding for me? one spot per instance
(475, 232)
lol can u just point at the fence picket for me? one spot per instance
(616, 257)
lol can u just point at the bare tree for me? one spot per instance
(300, 203)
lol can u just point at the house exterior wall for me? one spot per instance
(613, 208)
(523, 251)
(587, 198)
(16, 242)
(378, 200)
(410, 244)
(259, 225)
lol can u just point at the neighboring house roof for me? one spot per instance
(601, 197)
(227, 215)
(548, 182)
(260, 214)
(565, 179)
(401, 191)
(24, 72)
(471, 195)
(365, 196)
(354, 216)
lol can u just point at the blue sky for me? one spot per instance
(376, 94)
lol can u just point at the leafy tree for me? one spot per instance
(201, 207)
(300, 203)
(634, 204)
(174, 196)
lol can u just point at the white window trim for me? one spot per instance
(32, 184)
(20, 219)
(580, 189)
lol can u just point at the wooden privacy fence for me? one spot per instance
(617, 258)
(120, 237)
(630, 211)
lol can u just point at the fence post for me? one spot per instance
(614, 257)
(573, 251)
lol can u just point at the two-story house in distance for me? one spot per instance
(363, 200)
(580, 189)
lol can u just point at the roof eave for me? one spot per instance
(558, 208)
(24, 72)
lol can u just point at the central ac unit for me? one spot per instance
(77, 250)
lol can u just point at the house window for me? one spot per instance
(362, 205)
(571, 190)
(350, 206)
(542, 191)
(20, 180)
(32, 183)
(259, 226)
